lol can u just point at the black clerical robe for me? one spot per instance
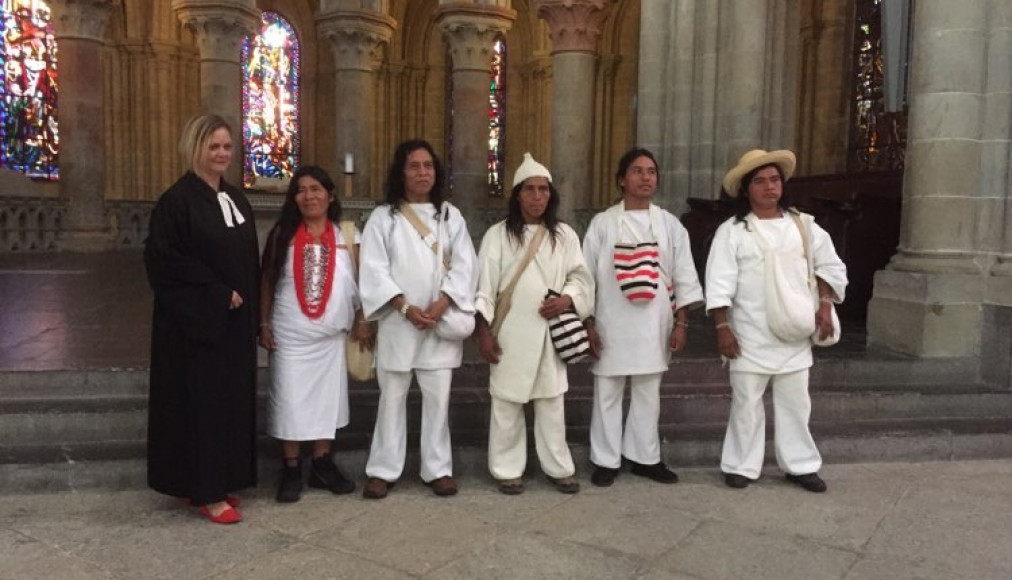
(202, 408)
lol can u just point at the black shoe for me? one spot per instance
(604, 476)
(736, 481)
(290, 488)
(657, 472)
(810, 481)
(323, 474)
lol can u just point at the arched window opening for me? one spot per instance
(497, 119)
(270, 101)
(29, 136)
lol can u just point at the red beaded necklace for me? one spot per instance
(302, 239)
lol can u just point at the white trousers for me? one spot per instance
(389, 438)
(507, 439)
(745, 442)
(639, 441)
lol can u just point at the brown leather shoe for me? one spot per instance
(565, 484)
(443, 486)
(376, 488)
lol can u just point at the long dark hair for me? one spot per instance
(742, 206)
(550, 219)
(395, 175)
(290, 218)
(628, 159)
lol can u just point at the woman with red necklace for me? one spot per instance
(308, 305)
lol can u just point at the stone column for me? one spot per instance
(469, 31)
(928, 300)
(997, 166)
(357, 39)
(574, 27)
(742, 81)
(79, 26)
(219, 27)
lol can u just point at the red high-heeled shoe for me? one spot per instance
(229, 516)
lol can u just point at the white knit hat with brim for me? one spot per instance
(755, 158)
(530, 168)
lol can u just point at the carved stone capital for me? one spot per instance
(574, 25)
(357, 38)
(219, 27)
(82, 19)
(470, 31)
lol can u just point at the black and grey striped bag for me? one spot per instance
(568, 335)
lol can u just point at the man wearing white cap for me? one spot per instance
(751, 251)
(521, 259)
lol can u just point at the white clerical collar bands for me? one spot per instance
(228, 209)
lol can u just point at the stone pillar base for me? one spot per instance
(86, 241)
(926, 314)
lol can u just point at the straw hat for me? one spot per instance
(783, 159)
(530, 168)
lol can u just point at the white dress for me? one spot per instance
(308, 398)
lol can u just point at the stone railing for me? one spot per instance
(34, 224)
(128, 222)
(30, 224)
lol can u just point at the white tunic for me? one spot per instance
(395, 260)
(635, 336)
(308, 398)
(735, 278)
(529, 367)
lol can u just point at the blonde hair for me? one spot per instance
(197, 133)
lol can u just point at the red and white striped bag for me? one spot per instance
(639, 274)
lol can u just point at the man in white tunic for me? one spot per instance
(639, 255)
(521, 259)
(420, 288)
(736, 297)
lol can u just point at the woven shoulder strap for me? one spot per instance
(348, 231)
(805, 241)
(503, 302)
(423, 230)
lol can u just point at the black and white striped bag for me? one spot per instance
(568, 335)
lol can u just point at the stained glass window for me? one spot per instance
(497, 119)
(878, 138)
(270, 100)
(29, 138)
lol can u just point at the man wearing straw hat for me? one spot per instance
(741, 279)
(521, 259)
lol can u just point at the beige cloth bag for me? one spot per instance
(361, 361)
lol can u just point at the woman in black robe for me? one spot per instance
(202, 263)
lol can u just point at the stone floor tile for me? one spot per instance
(637, 528)
(967, 529)
(892, 568)
(317, 510)
(152, 544)
(304, 562)
(487, 504)
(411, 530)
(25, 557)
(847, 519)
(719, 551)
(519, 556)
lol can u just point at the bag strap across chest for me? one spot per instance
(503, 302)
(423, 230)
